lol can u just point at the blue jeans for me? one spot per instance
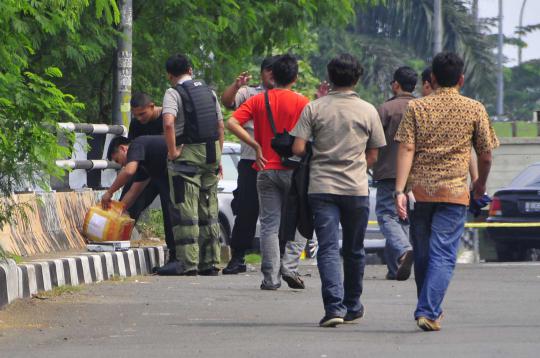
(340, 294)
(394, 231)
(436, 229)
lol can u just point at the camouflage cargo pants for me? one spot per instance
(193, 181)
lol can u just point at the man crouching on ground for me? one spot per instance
(347, 133)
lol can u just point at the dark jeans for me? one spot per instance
(395, 231)
(246, 207)
(143, 201)
(436, 229)
(154, 188)
(340, 294)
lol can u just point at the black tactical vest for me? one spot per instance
(201, 120)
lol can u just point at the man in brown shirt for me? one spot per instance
(398, 250)
(435, 138)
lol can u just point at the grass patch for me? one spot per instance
(503, 129)
(524, 129)
(151, 224)
(8, 255)
(18, 259)
(119, 279)
(253, 259)
(58, 291)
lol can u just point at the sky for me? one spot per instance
(511, 9)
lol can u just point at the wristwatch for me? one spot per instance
(396, 193)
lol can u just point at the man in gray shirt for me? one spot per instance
(346, 133)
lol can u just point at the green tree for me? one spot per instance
(224, 38)
(393, 33)
(522, 90)
(30, 102)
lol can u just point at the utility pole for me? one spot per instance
(520, 29)
(500, 78)
(475, 11)
(437, 27)
(122, 79)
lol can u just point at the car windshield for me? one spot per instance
(530, 177)
(229, 168)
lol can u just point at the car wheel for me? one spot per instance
(505, 252)
(531, 255)
(224, 236)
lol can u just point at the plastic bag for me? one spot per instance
(107, 225)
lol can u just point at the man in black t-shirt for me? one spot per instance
(146, 120)
(144, 162)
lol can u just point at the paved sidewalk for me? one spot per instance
(492, 310)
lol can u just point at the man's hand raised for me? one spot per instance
(242, 79)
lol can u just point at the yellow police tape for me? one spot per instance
(485, 225)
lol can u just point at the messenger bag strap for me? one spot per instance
(269, 113)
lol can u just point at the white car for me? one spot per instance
(374, 241)
(229, 161)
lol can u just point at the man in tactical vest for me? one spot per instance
(193, 129)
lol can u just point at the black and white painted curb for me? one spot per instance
(27, 279)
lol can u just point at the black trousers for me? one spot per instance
(156, 186)
(245, 206)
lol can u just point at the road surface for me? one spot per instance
(492, 310)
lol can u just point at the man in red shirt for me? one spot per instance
(273, 178)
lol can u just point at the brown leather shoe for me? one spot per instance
(429, 325)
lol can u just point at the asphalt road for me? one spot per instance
(492, 310)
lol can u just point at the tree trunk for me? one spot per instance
(475, 11)
(122, 90)
(437, 27)
(520, 48)
(500, 78)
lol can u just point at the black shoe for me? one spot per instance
(389, 276)
(267, 287)
(330, 321)
(353, 317)
(212, 271)
(174, 268)
(405, 264)
(189, 273)
(234, 267)
(294, 281)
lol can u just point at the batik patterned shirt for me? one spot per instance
(443, 127)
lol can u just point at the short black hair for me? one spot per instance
(285, 69)
(406, 77)
(447, 68)
(177, 65)
(426, 75)
(344, 70)
(267, 63)
(139, 100)
(115, 143)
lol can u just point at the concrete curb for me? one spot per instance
(27, 279)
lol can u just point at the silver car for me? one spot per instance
(374, 241)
